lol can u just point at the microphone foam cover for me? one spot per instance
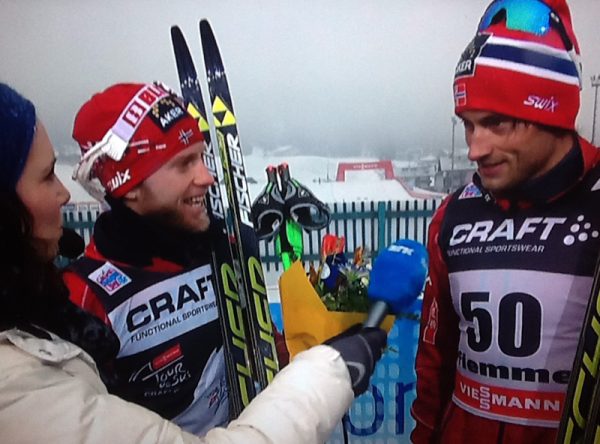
(398, 275)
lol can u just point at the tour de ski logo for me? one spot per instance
(167, 371)
(470, 191)
(110, 278)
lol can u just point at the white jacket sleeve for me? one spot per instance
(302, 405)
(65, 402)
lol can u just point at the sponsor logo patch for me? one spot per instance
(166, 112)
(466, 64)
(533, 229)
(121, 178)
(549, 104)
(110, 278)
(470, 192)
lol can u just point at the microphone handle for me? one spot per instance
(377, 312)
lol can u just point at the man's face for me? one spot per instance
(509, 152)
(175, 193)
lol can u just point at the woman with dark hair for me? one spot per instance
(26, 251)
(50, 350)
(32, 295)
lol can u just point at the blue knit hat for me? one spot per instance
(17, 127)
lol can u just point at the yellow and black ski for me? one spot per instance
(231, 311)
(245, 247)
(581, 414)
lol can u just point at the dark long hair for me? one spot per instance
(30, 286)
(33, 296)
(32, 292)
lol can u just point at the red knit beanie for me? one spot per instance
(148, 119)
(523, 63)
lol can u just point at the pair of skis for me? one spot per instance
(246, 325)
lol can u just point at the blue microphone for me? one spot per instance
(397, 279)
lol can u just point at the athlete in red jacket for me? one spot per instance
(146, 271)
(512, 254)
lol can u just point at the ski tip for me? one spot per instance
(206, 32)
(175, 30)
(204, 24)
(210, 49)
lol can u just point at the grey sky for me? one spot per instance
(330, 77)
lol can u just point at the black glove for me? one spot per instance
(361, 348)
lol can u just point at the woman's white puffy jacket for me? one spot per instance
(50, 392)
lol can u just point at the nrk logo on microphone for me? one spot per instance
(402, 249)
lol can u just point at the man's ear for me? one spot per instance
(132, 195)
(133, 199)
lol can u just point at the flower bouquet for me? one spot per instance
(329, 300)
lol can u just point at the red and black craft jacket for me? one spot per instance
(509, 284)
(154, 287)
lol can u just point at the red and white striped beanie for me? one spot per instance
(519, 73)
